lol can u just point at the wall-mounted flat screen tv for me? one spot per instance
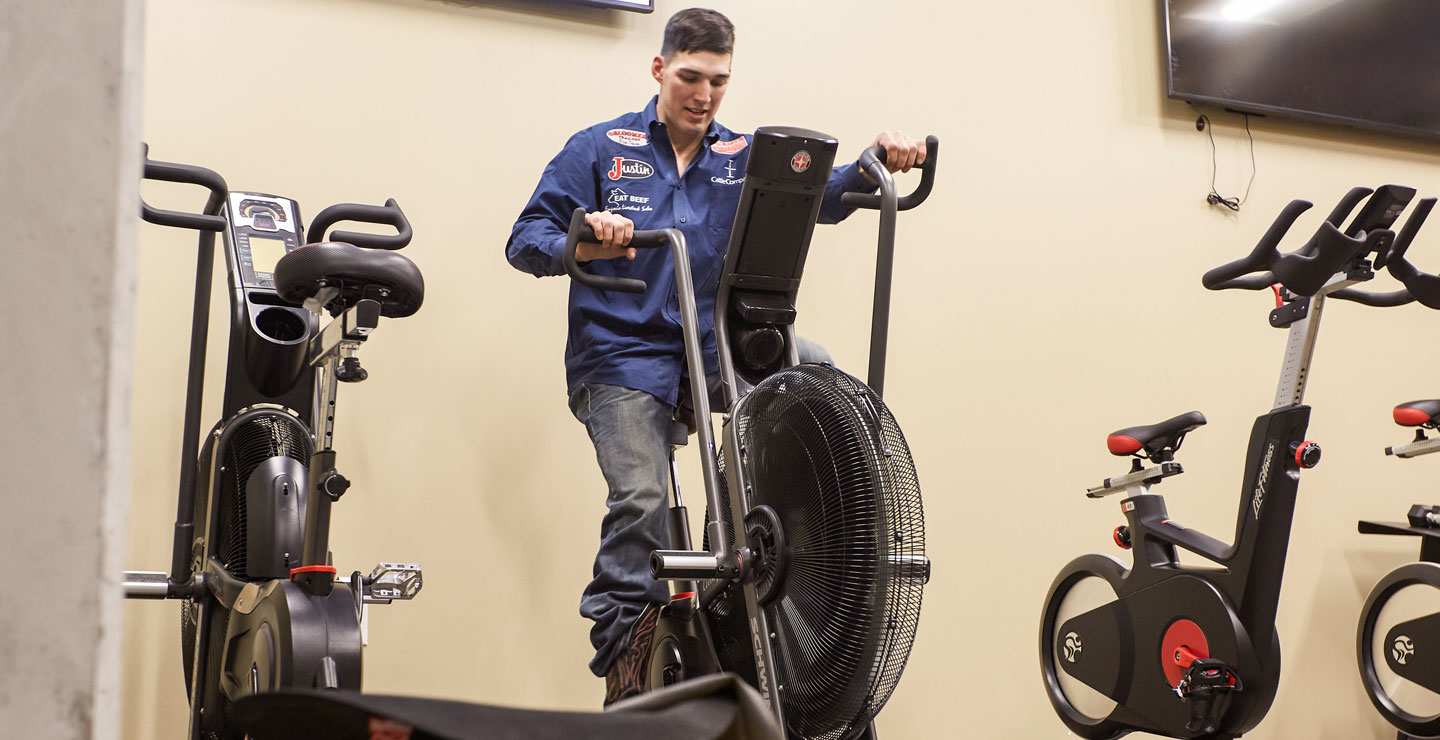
(1368, 63)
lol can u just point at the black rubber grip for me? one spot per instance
(387, 215)
(1307, 269)
(579, 231)
(1261, 257)
(874, 154)
(209, 220)
(1378, 300)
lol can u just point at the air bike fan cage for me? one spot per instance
(843, 592)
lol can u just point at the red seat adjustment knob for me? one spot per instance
(1307, 454)
(1122, 536)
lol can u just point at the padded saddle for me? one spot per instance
(1153, 438)
(1418, 413)
(386, 277)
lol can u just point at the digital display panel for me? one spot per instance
(265, 251)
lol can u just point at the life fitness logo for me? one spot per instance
(633, 169)
(1403, 649)
(801, 161)
(1072, 647)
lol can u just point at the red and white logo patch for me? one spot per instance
(629, 168)
(801, 161)
(626, 137)
(731, 146)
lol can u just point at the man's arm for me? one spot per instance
(568, 182)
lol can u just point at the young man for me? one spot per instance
(669, 165)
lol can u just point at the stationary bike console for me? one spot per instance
(1192, 652)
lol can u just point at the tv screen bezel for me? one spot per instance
(1245, 106)
(634, 6)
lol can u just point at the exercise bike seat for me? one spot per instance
(713, 707)
(1418, 413)
(386, 277)
(1152, 438)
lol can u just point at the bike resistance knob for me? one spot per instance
(1307, 454)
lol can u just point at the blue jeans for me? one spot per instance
(628, 428)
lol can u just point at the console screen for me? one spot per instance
(265, 251)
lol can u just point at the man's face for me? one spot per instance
(691, 86)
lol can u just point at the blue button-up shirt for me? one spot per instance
(627, 166)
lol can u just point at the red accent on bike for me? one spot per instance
(1184, 643)
(312, 569)
(1300, 453)
(1122, 444)
(1411, 417)
(1278, 300)
(1116, 536)
(684, 595)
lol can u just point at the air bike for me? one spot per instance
(1192, 652)
(1399, 630)
(263, 607)
(813, 563)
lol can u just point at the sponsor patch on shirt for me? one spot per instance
(627, 137)
(619, 200)
(729, 147)
(633, 169)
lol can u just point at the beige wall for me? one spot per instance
(1048, 294)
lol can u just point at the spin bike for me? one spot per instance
(263, 607)
(1192, 652)
(1400, 622)
(809, 581)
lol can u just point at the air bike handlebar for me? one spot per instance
(872, 160)
(579, 232)
(1306, 270)
(209, 219)
(388, 214)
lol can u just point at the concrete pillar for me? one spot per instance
(69, 167)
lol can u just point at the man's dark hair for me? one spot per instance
(698, 29)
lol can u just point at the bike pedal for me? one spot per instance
(390, 581)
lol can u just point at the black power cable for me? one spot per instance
(1214, 198)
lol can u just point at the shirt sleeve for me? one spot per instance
(843, 179)
(538, 237)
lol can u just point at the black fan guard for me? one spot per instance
(826, 455)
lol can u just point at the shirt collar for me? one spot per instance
(652, 122)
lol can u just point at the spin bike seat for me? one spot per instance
(1418, 413)
(386, 277)
(1153, 437)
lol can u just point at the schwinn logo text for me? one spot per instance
(1264, 481)
(761, 679)
(631, 168)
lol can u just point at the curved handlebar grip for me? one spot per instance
(876, 155)
(579, 231)
(387, 215)
(1260, 258)
(209, 220)
(1378, 300)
